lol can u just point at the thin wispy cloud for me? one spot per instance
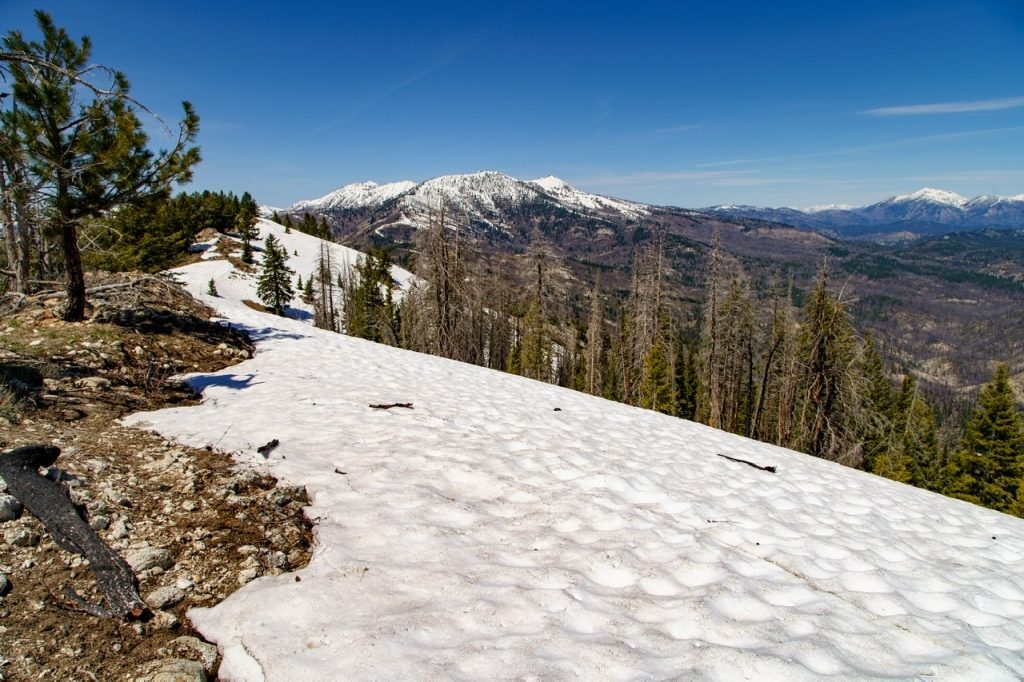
(730, 162)
(672, 130)
(662, 132)
(948, 107)
(738, 178)
(381, 95)
(973, 176)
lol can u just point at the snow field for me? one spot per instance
(485, 534)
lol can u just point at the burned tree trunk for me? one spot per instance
(47, 501)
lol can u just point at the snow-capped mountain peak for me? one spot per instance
(552, 183)
(481, 198)
(567, 194)
(937, 196)
(355, 195)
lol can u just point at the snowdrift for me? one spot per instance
(509, 529)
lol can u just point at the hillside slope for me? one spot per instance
(504, 528)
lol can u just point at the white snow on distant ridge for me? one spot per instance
(938, 196)
(566, 193)
(826, 207)
(356, 195)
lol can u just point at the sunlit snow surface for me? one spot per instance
(508, 529)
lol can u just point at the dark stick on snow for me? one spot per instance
(47, 502)
(267, 448)
(770, 469)
(388, 406)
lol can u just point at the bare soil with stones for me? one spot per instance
(194, 527)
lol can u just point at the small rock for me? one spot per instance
(97, 383)
(119, 529)
(248, 575)
(149, 557)
(180, 670)
(207, 652)
(99, 523)
(184, 584)
(3, 485)
(165, 620)
(116, 497)
(5, 584)
(278, 497)
(242, 479)
(189, 506)
(10, 508)
(163, 597)
(278, 559)
(21, 537)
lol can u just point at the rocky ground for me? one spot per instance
(193, 527)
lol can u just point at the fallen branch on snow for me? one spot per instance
(769, 469)
(388, 406)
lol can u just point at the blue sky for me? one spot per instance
(684, 103)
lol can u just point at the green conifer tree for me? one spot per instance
(307, 290)
(245, 224)
(879, 404)
(987, 468)
(658, 390)
(829, 413)
(83, 145)
(686, 379)
(274, 286)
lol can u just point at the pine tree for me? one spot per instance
(658, 390)
(879, 405)
(911, 449)
(987, 468)
(211, 288)
(535, 352)
(686, 379)
(829, 414)
(735, 360)
(772, 418)
(307, 290)
(369, 308)
(709, 401)
(995, 430)
(274, 286)
(245, 224)
(595, 344)
(84, 145)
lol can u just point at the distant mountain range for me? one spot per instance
(939, 304)
(490, 200)
(925, 212)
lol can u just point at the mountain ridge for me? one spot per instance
(483, 196)
(928, 211)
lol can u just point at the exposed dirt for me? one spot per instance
(67, 384)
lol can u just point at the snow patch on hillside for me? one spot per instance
(567, 194)
(303, 252)
(506, 528)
